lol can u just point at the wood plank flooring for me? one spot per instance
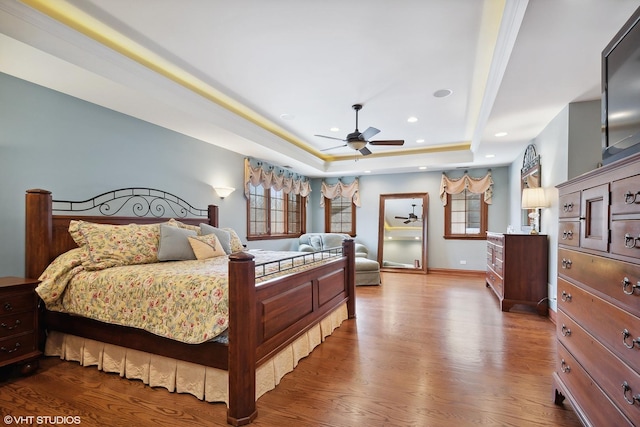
(430, 350)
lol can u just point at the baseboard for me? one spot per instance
(469, 273)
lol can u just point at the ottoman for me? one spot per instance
(367, 272)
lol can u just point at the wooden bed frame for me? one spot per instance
(278, 310)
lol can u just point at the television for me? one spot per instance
(621, 93)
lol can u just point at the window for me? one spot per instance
(340, 215)
(274, 214)
(465, 216)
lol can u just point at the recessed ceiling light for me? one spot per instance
(367, 171)
(442, 93)
(490, 156)
(501, 134)
(420, 141)
(287, 116)
(334, 129)
(412, 119)
(422, 168)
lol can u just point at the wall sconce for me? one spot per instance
(534, 199)
(223, 192)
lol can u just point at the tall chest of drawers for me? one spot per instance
(598, 319)
(517, 270)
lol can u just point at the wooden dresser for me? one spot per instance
(598, 321)
(19, 340)
(517, 269)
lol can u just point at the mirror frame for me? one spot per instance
(425, 209)
(530, 166)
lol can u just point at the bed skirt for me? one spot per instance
(205, 383)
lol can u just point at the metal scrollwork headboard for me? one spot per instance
(140, 201)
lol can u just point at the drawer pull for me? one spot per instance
(15, 348)
(566, 331)
(7, 306)
(10, 328)
(566, 263)
(626, 334)
(565, 296)
(630, 198)
(628, 287)
(567, 207)
(630, 241)
(567, 235)
(564, 367)
(626, 391)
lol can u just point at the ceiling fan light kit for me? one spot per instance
(358, 141)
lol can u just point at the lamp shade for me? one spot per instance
(223, 192)
(533, 198)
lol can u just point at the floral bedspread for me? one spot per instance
(182, 300)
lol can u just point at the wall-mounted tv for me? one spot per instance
(621, 93)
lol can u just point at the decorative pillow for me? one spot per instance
(236, 243)
(223, 236)
(207, 246)
(174, 244)
(175, 223)
(110, 245)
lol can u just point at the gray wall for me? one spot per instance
(76, 150)
(569, 146)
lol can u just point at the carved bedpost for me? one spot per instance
(349, 248)
(213, 215)
(242, 345)
(39, 231)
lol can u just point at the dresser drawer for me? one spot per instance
(16, 302)
(586, 393)
(17, 324)
(497, 240)
(569, 205)
(625, 195)
(496, 281)
(609, 376)
(17, 346)
(603, 275)
(625, 238)
(569, 233)
(614, 328)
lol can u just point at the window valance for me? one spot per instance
(272, 177)
(331, 191)
(465, 182)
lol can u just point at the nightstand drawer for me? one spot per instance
(17, 302)
(17, 346)
(17, 324)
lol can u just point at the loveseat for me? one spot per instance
(367, 270)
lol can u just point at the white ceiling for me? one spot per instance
(225, 72)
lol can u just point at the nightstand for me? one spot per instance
(19, 323)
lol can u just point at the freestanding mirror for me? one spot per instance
(402, 232)
(530, 178)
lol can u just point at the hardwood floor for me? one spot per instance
(430, 350)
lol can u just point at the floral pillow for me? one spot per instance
(110, 245)
(236, 243)
(175, 223)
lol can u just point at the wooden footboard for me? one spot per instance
(275, 312)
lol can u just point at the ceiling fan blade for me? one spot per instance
(365, 151)
(369, 133)
(388, 142)
(331, 148)
(401, 217)
(407, 221)
(330, 137)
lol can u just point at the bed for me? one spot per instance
(266, 316)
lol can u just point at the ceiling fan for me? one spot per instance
(412, 216)
(358, 141)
